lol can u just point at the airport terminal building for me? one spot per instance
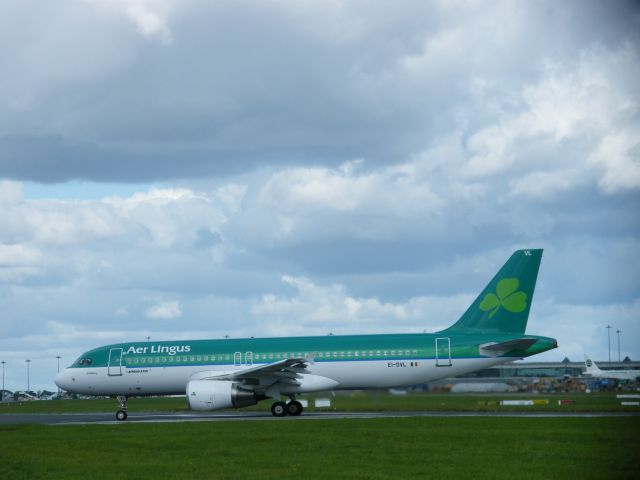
(537, 376)
(566, 368)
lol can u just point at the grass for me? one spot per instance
(473, 447)
(357, 401)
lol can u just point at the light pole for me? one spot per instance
(618, 332)
(609, 342)
(28, 384)
(148, 338)
(3, 362)
(58, 357)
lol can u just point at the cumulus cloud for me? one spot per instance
(235, 89)
(164, 310)
(313, 167)
(323, 309)
(149, 16)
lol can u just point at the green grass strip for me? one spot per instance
(472, 447)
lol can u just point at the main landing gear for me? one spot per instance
(121, 414)
(281, 409)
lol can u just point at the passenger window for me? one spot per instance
(136, 360)
(170, 359)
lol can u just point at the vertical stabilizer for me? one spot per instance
(504, 304)
(592, 368)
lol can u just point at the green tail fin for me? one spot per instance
(503, 306)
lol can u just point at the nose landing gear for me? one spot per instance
(121, 414)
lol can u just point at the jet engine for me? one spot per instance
(216, 394)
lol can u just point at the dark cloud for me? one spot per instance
(236, 85)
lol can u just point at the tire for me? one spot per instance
(279, 409)
(294, 408)
(121, 415)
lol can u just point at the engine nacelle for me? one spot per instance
(216, 394)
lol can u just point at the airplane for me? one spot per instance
(595, 372)
(235, 373)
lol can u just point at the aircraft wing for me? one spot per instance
(288, 375)
(496, 349)
(286, 367)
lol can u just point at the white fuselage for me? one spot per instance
(615, 374)
(172, 380)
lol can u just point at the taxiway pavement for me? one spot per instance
(174, 417)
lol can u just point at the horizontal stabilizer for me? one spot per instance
(497, 349)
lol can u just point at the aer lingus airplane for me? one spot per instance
(217, 374)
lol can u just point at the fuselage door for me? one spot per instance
(237, 359)
(443, 352)
(248, 358)
(115, 362)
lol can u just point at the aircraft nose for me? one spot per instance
(62, 380)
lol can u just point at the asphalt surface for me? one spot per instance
(172, 417)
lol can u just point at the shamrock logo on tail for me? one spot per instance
(507, 297)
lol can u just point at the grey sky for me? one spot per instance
(193, 169)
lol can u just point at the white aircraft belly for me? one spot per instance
(386, 374)
(348, 374)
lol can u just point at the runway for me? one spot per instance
(173, 417)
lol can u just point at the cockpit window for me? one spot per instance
(85, 361)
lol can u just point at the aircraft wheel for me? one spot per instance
(279, 409)
(294, 408)
(121, 415)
